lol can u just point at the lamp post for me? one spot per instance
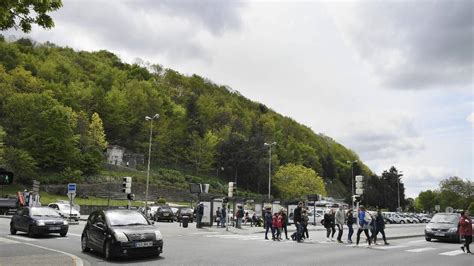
(156, 116)
(269, 166)
(399, 175)
(352, 178)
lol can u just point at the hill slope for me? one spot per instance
(48, 96)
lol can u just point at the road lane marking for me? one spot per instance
(24, 238)
(77, 261)
(389, 247)
(452, 253)
(417, 241)
(72, 234)
(8, 241)
(417, 250)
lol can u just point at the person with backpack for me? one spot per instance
(339, 221)
(328, 223)
(268, 223)
(465, 229)
(364, 221)
(379, 227)
(350, 223)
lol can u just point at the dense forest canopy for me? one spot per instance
(59, 108)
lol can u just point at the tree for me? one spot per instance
(21, 14)
(296, 181)
(202, 152)
(427, 200)
(22, 164)
(2, 146)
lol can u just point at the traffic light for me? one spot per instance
(127, 185)
(355, 198)
(6, 178)
(359, 184)
(232, 189)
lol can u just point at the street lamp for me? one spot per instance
(352, 178)
(156, 116)
(269, 166)
(399, 174)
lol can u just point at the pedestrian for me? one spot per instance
(364, 221)
(279, 225)
(379, 227)
(465, 229)
(350, 223)
(285, 222)
(333, 224)
(200, 213)
(268, 222)
(305, 219)
(239, 215)
(298, 221)
(218, 216)
(328, 224)
(275, 226)
(372, 227)
(223, 216)
(340, 223)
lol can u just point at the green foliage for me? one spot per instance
(63, 107)
(22, 164)
(161, 201)
(2, 146)
(427, 200)
(383, 191)
(21, 14)
(296, 181)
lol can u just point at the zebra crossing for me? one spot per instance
(410, 246)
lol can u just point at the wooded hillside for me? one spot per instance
(60, 108)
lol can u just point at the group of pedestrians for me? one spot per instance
(371, 226)
(276, 223)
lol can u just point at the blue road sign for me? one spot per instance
(71, 188)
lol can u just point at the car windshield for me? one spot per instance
(186, 211)
(126, 218)
(47, 212)
(445, 218)
(64, 206)
(165, 209)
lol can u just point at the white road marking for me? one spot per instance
(389, 247)
(77, 261)
(417, 250)
(8, 241)
(24, 238)
(72, 234)
(452, 253)
(417, 241)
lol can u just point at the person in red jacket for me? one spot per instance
(275, 226)
(465, 229)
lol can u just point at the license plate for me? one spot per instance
(143, 244)
(166, 214)
(54, 228)
(439, 234)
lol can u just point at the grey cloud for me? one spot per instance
(417, 45)
(169, 28)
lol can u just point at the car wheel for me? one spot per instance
(84, 246)
(108, 251)
(63, 233)
(31, 232)
(12, 229)
(428, 239)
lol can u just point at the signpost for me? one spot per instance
(71, 194)
(437, 208)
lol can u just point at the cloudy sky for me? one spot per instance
(392, 80)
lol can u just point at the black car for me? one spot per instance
(38, 221)
(185, 212)
(164, 213)
(121, 233)
(443, 226)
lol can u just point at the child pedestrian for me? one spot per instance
(279, 226)
(275, 226)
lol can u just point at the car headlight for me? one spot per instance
(158, 235)
(453, 229)
(428, 228)
(40, 223)
(65, 222)
(120, 237)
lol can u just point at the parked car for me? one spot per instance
(65, 210)
(121, 233)
(185, 212)
(443, 226)
(38, 221)
(395, 218)
(411, 218)
(164, 213)
(312, 217)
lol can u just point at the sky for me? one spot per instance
(391, 80)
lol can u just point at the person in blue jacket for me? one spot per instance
(364, 221)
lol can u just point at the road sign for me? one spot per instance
(71, 196)
(71, 188)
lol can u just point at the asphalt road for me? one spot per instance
(213, 246)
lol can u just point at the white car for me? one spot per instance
(318, 217)
(65, 210)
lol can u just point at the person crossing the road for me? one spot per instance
(364, 221)
(465, 229)
(297, 218)
(379, 227)
(285, 222)
(350, 223)
(339, 223)
(268, 222)
(223, 216)
(328, 223)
